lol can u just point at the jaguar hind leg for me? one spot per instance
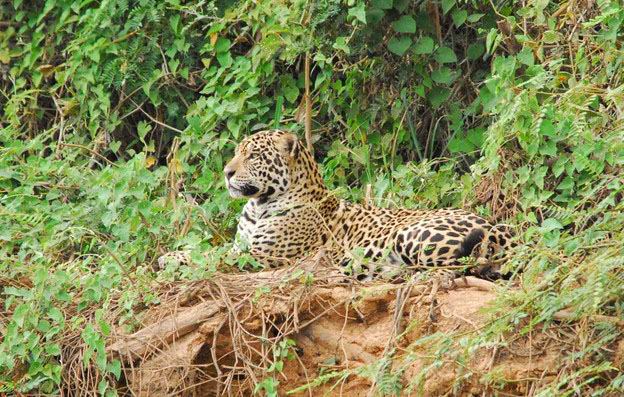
(493, 252)
(444, 242)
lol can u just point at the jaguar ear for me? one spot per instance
(290, 145)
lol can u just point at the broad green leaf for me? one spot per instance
(447, 5)
(424, 45)
(472, 18)
(114, 367)
(551, 224)
(225, 59)
(475, 50)
(398, 45)
(566, 184)
(526, 56)
(459, 144)
(142, 129)
(438, 96)
(476, 136)
(19, 314)
(358, 12)
(420, 90)
(291, 92)
(559, 166)
(114, 146)
(341, 44)
(548, 148)
(459, 17)
(361, 154)
(547, 128)
(56, 315)
(405, 24)
(551, 37)
(401, 5)
(222, 45)
(445, 55)
(443, 75)
(374, 16)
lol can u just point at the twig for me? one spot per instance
(160, 123)
(308, 106)
(568, 315)
(93, 152)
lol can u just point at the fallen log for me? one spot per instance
(166, 331)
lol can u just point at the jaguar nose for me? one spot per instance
(228, 173)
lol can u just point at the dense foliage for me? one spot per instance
(118, 116)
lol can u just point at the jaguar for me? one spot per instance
(290, 213)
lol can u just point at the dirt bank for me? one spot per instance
(225, 335)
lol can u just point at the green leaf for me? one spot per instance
(551, 224)
(424, 45)
(538, 176)
(443, 75)
(173, 65)
(20, 314)
(405, 24)
(459, 144)
(566, 184)
(291, 92)
(55, 315)
(102, 386)
(491, 41)
(383, 4)
(374, 16)
(142, 129)
(548, 148)
(114, 146)
(476, 136)
(447, 5)
(472, 18)
(361, 154)
(225, 59)
(358, 12)
(341, 44)
(559, 166)
(53, 349)
(114, 367)
(551, 37)
(438, 96)
(445, 55)
(399, 45)
(420, 90)
(222, 45)
(40, 276)
(526, 56)
(547, 128)
(475, 50)
(401, 5)
(459, 17)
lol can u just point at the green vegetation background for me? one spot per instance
(118, 116)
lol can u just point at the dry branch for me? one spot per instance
(166, 331)
(308, 106)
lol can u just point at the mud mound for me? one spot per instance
(361, 342)
(226, 335)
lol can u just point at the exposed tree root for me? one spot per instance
(217, 336)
